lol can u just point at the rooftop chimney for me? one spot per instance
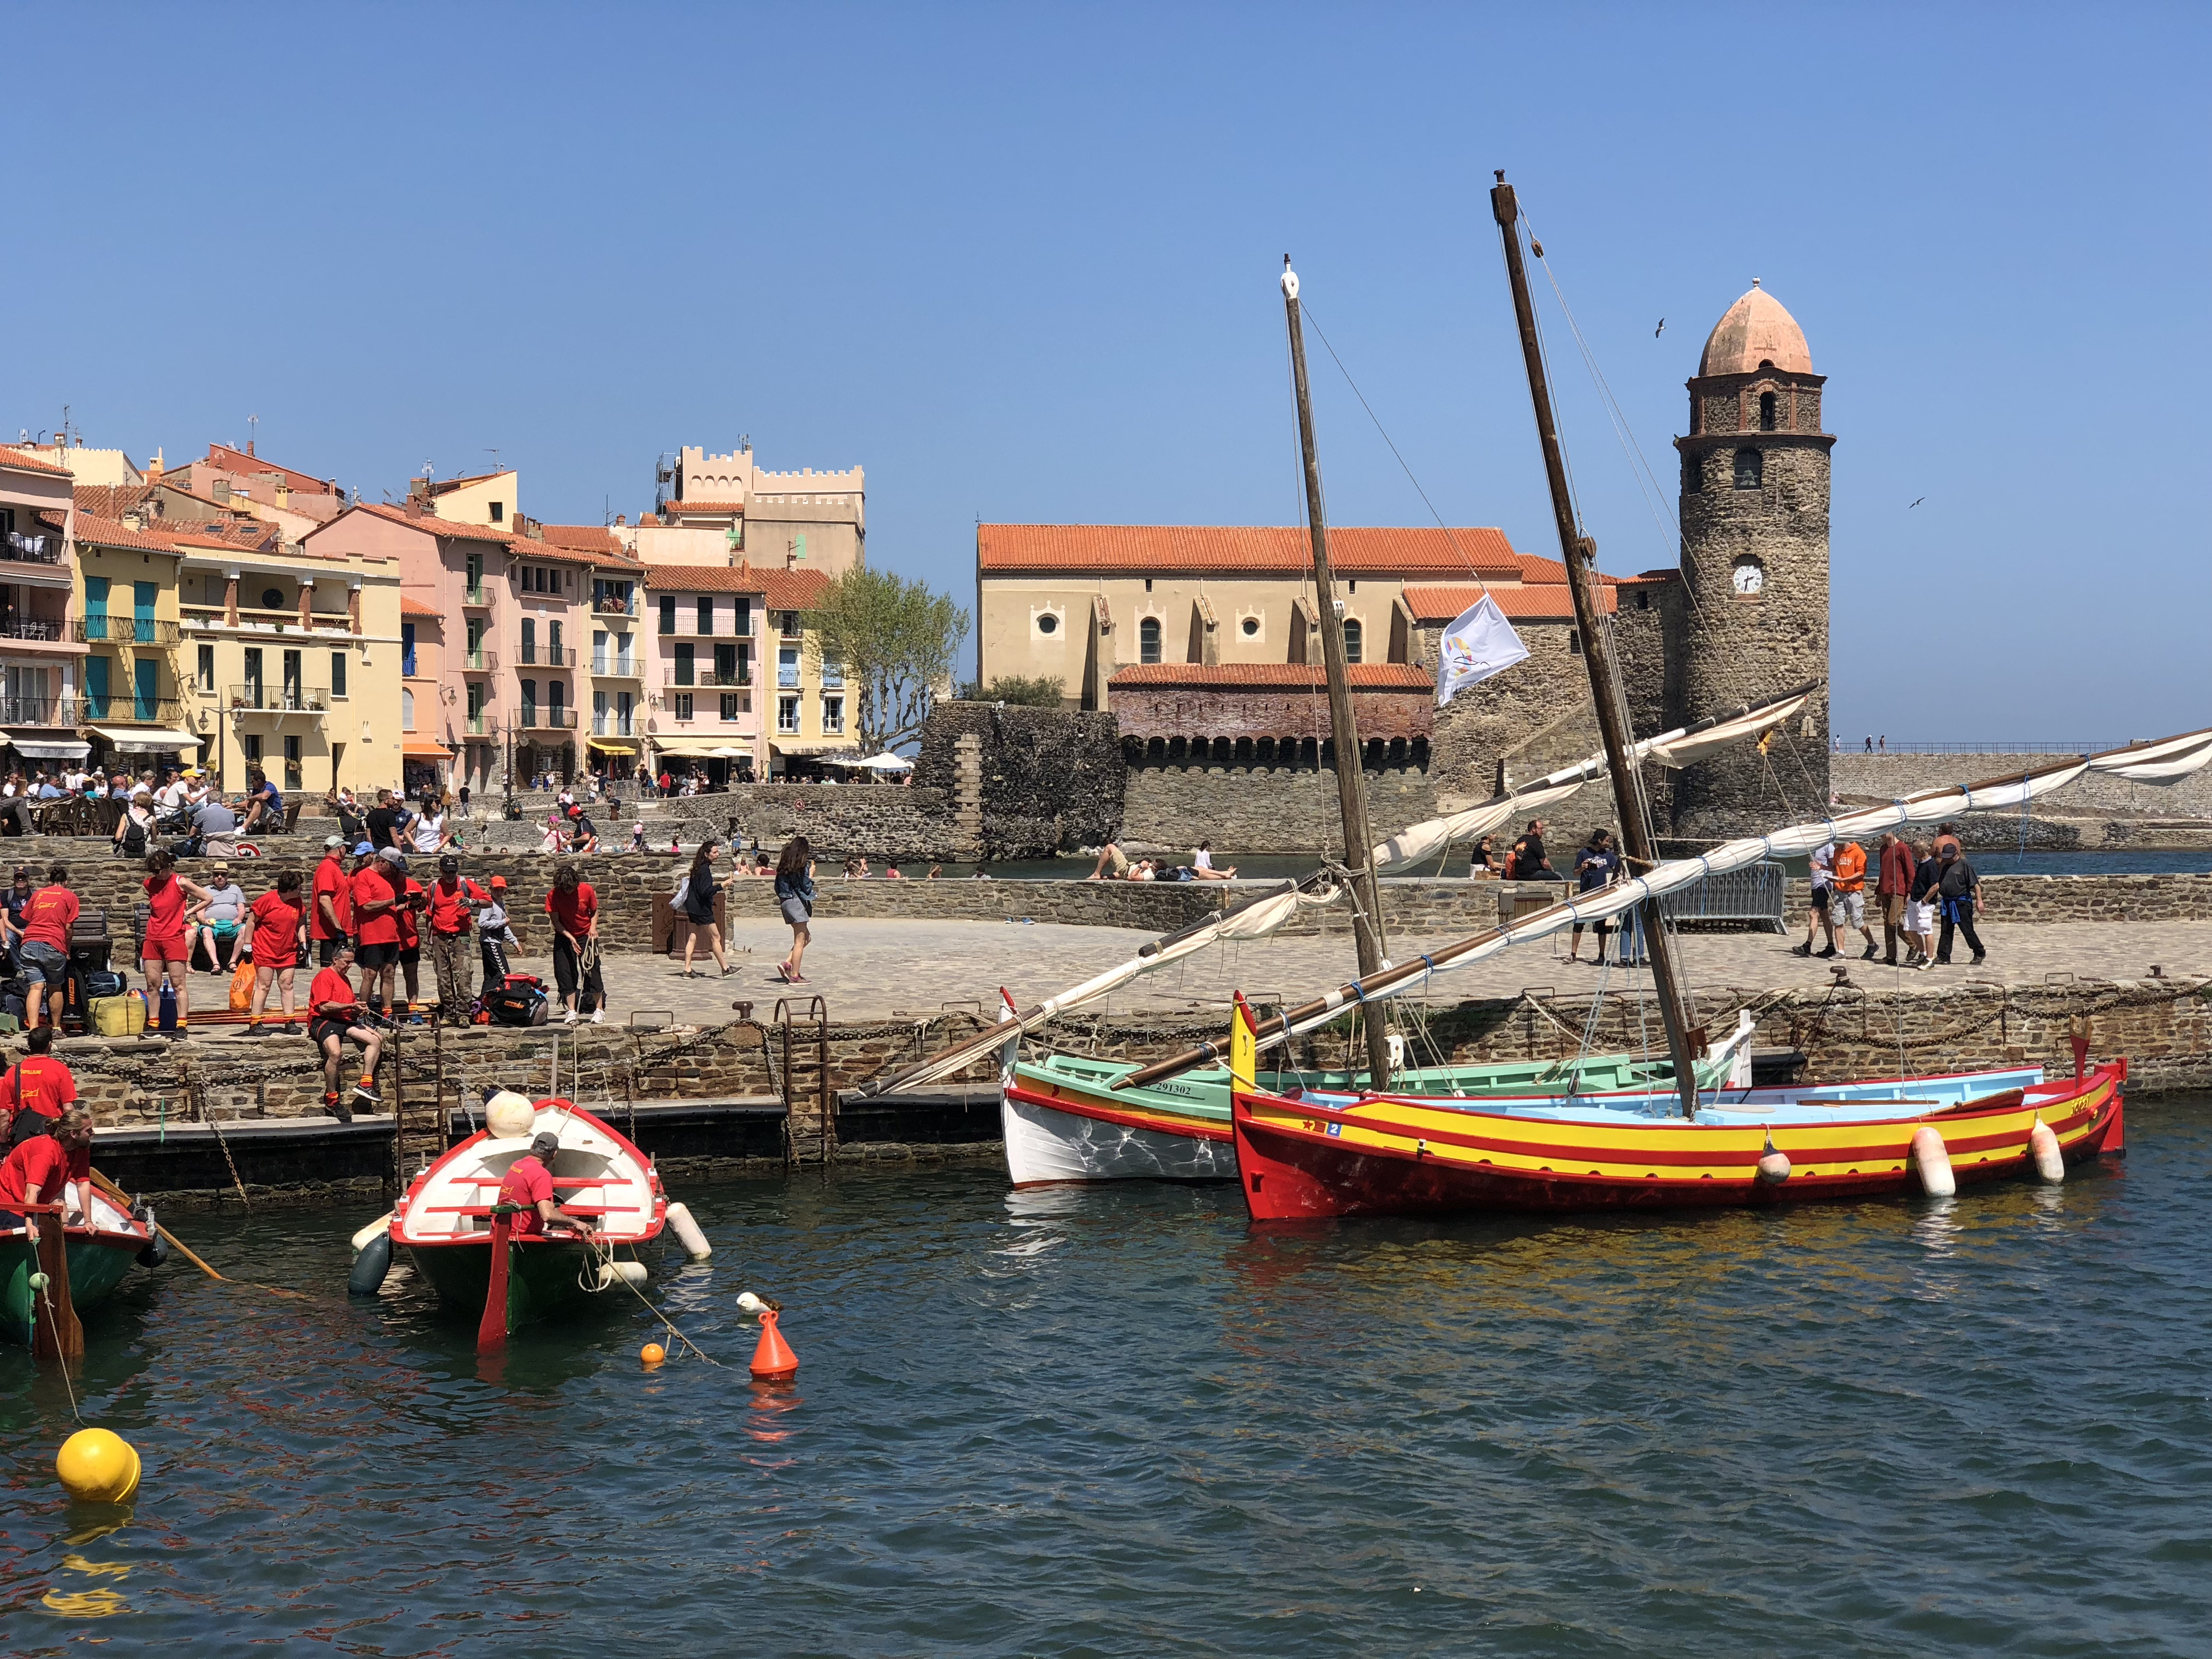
(153, 468)
(249, 449)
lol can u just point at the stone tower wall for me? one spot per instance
(1736, 648)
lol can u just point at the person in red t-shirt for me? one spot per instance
(528, 1184)
(42, 1169)
(453, 905)
(163, 954)
(377, 886)
(574, 908)
(413, 901)
(273, 927)
(37, 1089)
(330, 913)
(48, 919)
(333, 1020)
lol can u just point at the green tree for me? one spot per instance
(896, 642)
(1020, 690)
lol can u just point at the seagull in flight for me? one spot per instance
(1662, 329)
(1915, 504)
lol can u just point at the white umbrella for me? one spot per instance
(886, 762)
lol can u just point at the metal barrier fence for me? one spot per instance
(1752, 895)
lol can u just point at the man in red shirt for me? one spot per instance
(333, 1020)
(528, 1184)
(574, 908)
(1893, 886)
(330, 917)
(453, 905)
(37, 1089)
(40, 1171)
(377, 886)
(45, 947)
(274, 924)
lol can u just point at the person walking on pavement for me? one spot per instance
(1817, 915)
(1959, 897)
(1847, 908)
(794, 894)
(1892, 890)
(697, 904)
(1920, 911)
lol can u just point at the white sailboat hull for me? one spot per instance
(1044, 1146)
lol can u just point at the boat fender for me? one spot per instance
(1773, 1164)
(688, 1230)
(1932, 1162)
(612, 1274)
(2043, 1148)
(370, 1266)
(375, 1229)
(157, 1242)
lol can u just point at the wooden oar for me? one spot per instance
(123, 1198)
(491, 1329)
(58, 1335)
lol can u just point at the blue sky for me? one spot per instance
(1020, 263)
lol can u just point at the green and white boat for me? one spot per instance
(101, 1253)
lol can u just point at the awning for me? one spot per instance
(614, 745)
(685, 748)
(812, 748)
(150, 739)
(418, 749)
(47, 748)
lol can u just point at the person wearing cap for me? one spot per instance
(496, 936)
(377, 886)
(265, 805)
(214, 923)
(334, 1020)
(583, 834)
(276, 928)
(170, 797)
(528, 1185)
(453, 904)
(329, 911)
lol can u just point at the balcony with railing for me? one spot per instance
(103, 630)
(547, 656)
(727, 679)
(475, 593)
(21, 547)
(41, 711)
(612, 724)
(479, 661)
(127, 708)
(548, 718)
(617, 668)
(613, 601)
(281, 699)
(38, 632)
(480, 725)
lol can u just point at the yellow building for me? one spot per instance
(123, 612)
(291, 661)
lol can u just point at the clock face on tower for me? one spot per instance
(1750, 576)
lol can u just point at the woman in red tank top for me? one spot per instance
(169, 899)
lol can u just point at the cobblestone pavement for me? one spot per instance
(873, 969)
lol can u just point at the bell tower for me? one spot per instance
(1754, 516)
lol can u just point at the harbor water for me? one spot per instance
(1126, 1422)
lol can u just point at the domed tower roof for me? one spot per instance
(1755, 330)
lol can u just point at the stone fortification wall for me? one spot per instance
(1885, 777)
(881, 820)
(1262, 809)
(1051, 779)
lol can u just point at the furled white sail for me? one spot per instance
(2167, 760)
(1681, 747)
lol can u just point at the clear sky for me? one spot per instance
(1020, 263)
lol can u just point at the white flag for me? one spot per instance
(1480, 644)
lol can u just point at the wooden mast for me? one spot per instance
(1350, 784)
(1579, 553)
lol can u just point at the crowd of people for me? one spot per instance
(179, 802)
(1927, 892)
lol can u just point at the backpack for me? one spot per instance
(517, 1005)
(134, 838)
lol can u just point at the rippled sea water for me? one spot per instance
(1127, 1422)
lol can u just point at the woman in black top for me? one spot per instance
(1596, 866)
(697, 903)
(1483, 861)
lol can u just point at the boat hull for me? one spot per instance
(545, 1276)
(98, 1262)
(1299, 1160)
(1046, 1145)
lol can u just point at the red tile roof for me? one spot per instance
(1269, 549)
(439, 487)
(584, 538)
(12, 457)
(1264, 676)
(111, 500)
(1539, 602)
(788, 590)
(224, 459)
(429, 525)
(672, 508)
(114, 533)
(411, 606)
(703, 577)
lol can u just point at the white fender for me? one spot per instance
(2043, 1149)
(360, 1239)
(1932, 1162)
(688, 1233)
(620, 1273)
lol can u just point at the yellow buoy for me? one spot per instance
(99, 1466)
(652, 1353)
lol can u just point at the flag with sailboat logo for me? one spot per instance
(1480, 644)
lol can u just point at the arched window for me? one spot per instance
(1351, 640)
(406, 709)
(1767, 411)
(1148, 640)
(1750, 469)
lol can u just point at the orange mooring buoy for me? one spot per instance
(773, 1359)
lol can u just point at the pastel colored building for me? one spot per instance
(39, 701)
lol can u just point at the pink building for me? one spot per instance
(703, 694)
